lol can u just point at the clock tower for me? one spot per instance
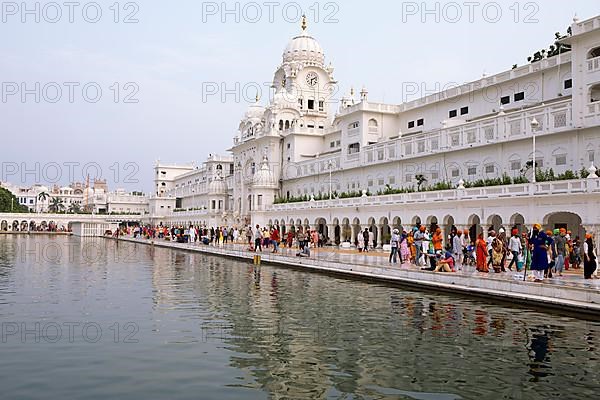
(305, 81)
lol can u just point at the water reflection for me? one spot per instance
(230, 329)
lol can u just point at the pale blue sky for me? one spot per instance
(171, 52)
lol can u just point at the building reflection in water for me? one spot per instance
(538, 348)
(314, 336)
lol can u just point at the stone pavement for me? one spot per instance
(570, 292)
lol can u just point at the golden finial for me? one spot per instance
(257, 97)
(352, 91)
(304, 23)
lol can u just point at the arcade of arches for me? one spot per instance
(345, 229)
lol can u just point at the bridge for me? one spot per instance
(28, 222)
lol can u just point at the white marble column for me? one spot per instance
(331, 233)
(379, 236)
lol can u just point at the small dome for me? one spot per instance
(254, 112)
(217, 186)
(264, 178)
(304, 48)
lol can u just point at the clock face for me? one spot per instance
(312, 79)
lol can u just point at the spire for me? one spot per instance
(304, 23)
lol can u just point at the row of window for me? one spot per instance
(420, 122)
(520, 96)
(454, 113)
(311, 104)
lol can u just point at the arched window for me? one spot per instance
(560, 157)
(373, 126)
(593, 53)
(595, 93)
(280, 124)
(287, 124)
(515, 164)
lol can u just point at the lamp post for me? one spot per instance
(330, 166)
(534, 125)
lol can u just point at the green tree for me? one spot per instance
(74, 208)
(56, 205)
(42, 196)
(9, 203)
(420, 181)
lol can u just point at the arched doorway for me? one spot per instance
(432, 223)
(335, 235)
(518, 221)
(449, 228)
(356, 229)
(474, 227)
(346, 231)
(397, 224)
(386, 231)
(495, 222)
(416, 221)
(373, 228)
(570, 221)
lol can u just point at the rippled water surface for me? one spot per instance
(96, 319)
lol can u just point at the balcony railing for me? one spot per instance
(575, 186)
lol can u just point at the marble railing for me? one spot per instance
(576, 186)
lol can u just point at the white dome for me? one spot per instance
(304, 48)
(254, 112)
(264, 178)
(217, 186)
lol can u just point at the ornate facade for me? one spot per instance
(305, 144)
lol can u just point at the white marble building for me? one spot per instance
(302, 143)
(77, 197)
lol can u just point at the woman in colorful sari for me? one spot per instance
(404, 251)
(481, 254)
(498, 255)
